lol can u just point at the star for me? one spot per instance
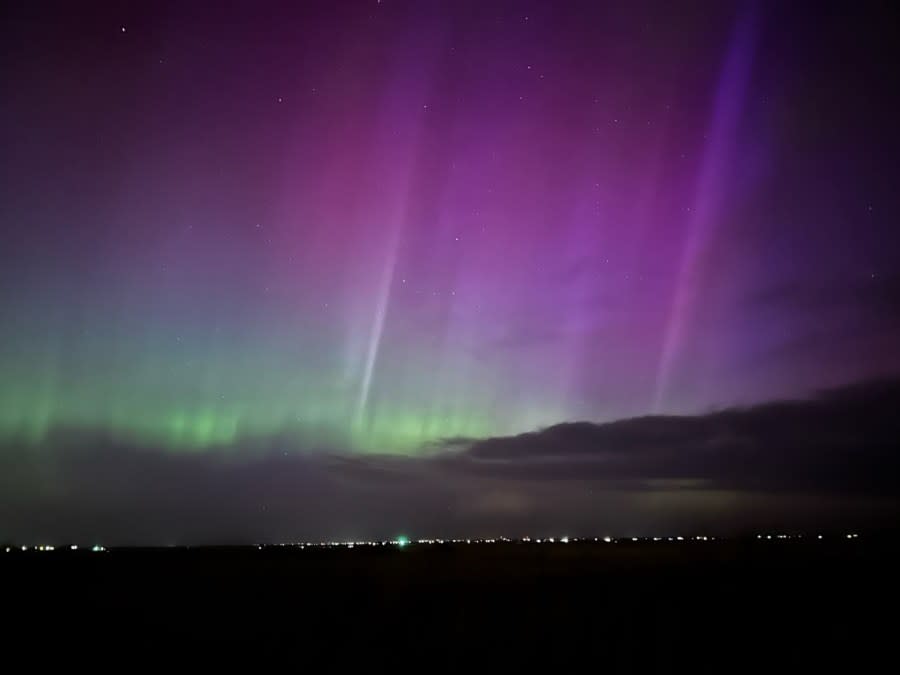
(122, 28)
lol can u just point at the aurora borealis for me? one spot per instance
(382, 228)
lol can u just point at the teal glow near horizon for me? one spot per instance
(209, 387)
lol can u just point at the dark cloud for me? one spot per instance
(843, 441)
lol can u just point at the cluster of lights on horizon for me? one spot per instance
(403, 542)
(46, 548)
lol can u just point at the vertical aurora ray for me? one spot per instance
(381, 309)
(728, 106)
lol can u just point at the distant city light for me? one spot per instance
(402, 541)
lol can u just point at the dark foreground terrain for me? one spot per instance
(693, 606)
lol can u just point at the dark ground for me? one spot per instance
(695, 606)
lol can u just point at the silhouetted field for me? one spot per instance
(699, 606)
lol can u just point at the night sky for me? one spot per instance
(349, 269)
